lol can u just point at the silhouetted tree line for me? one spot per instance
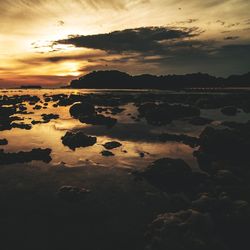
(114, 79)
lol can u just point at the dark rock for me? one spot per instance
(78, 139)
(83, 109)
(47, 99)
(116, 110)
(48, 117)
(200, 121)
(185, 139)
(229, 110)
(37, 122)
(3, 142)
(226, 177)
(168, 174)
(205, 203)
(183, 230)
(142, 154)
(107, 153)
(36, 154)
(98, 119)
(112, 145)
(37, 107)
(230, 146)
(72, 193)
(160, 114)
(21, 126)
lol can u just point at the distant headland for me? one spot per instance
(31, 87)
(113, 79)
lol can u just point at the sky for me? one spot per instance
(50, 42)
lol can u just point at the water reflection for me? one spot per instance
(138, 139)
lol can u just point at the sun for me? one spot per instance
(69, 68)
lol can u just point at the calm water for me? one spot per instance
(135, 136)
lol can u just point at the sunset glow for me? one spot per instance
(31, 34)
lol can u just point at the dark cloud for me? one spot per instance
(221, 22)
(60, 23)
(231, 37)
(188, 21)
(233, 25)
(139, 39)
(36, 61)
(161, 49)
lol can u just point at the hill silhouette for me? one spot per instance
(114, 79)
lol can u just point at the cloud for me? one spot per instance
(34, 5)
(128, 40)
(163, 49)
(231, 37)
(57, 58)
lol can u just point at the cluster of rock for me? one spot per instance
(86, 113)
(77, 139)
(160, 114)
(36, 154)
(213, 209)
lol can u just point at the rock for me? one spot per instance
(184, 230)
(229, 110)
(205, 203)
(98, 119)
(178, 201)
(168, 174)
(5, 114)
(230, 146)
(241, 210)
(160, 114)
(83, 109)
(142, 154)
(117, 110)
(107, 153)
(36, 154)
(200, 121)
(78, 139)
(72, 193)
(21, 126)
(185, 139)
(3, 142)
(37, 122)
(37, 107)
(7, 111)
(47, 99)
(112, 145)
(48, 117)
(226, 177)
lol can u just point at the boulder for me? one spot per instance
(160, 114)
(82, 109)
(112, 145)
(229, 110)
(183, 230)
(78, 139)
(172, 175)
(98, 119)
(3, 142)
(200, 121)
(107, 153)
(36, 154)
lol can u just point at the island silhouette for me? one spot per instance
(114, 79)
